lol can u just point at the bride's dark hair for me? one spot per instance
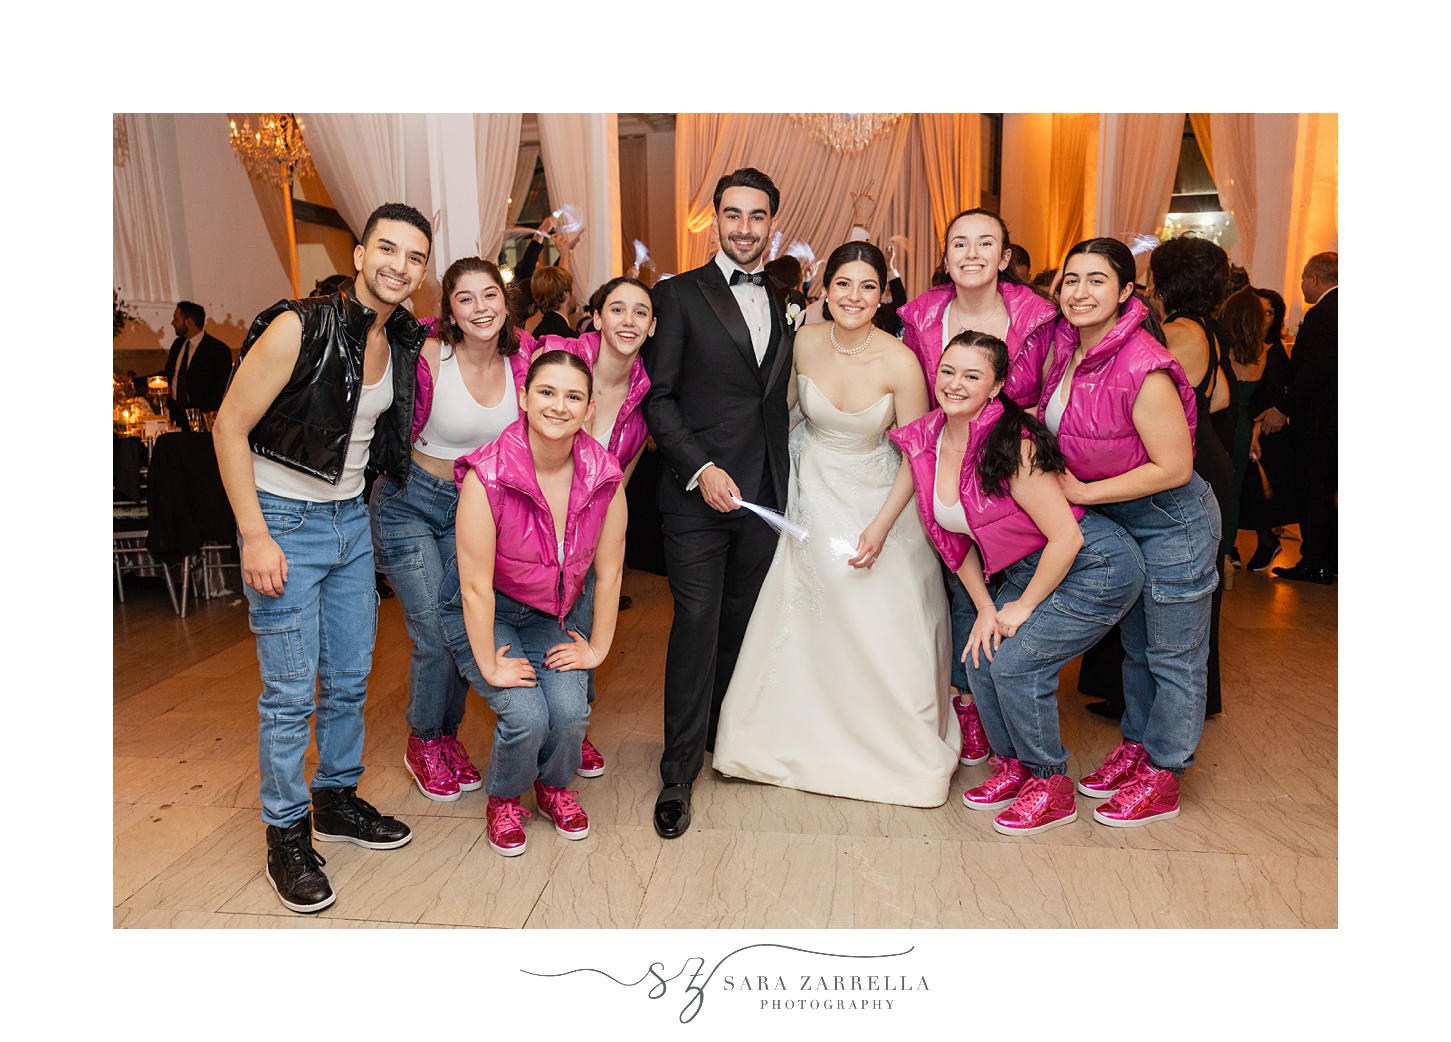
(1001, 452)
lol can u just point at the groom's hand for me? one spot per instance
(718, 489)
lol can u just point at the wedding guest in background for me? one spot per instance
(1310, 409)
(198, 366)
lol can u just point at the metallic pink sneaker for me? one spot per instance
(975, 749)
(561, 807)
(425, 761)
(505, 820)
(457, 758)
(1121, 765)
(1150, 796)
(1042, 804)
(591, 763)
(1002, 787)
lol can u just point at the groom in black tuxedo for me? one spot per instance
(719, 365)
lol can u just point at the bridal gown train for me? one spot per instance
(842, 684)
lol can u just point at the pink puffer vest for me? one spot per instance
(1030, 333)
(1003, 531)
(423, 397)
(629, 432)
(526, 558)
(1097, 433)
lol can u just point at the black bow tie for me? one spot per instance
(740, 278)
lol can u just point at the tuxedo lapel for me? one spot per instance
(718, 295)
(780, 338)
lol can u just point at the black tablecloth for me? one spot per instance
(186, 500)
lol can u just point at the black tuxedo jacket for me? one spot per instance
(1312, 394)
(206, 376)
(709, 402)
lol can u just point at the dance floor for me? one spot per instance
(1256, 843)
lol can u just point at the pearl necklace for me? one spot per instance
(831, 335)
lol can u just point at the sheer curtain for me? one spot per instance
(1204, 137)
(1067, 162)
(360, 158)
(141, 231)
(1143, 156)
(952, 156)
(496, 150)
(1234, 175)
(523, 177)
(581, 165)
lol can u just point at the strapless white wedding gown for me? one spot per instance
(842, 684)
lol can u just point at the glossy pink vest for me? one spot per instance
(1030, 332)
(526, 558)
(1097, 434)
(629, 432)
(423, 397)
(1003, 531)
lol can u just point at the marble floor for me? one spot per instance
(1256, 843)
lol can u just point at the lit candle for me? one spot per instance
(156, 384)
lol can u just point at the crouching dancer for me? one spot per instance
(536, 507)
(324, 387)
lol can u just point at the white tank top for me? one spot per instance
(951, 517)
(1053, 414)
(457, 423)
(282, 480)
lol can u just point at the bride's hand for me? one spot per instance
(869, 546)
(984, 637)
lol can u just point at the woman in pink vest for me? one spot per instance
(977, 288)
(537, 508)
(624, 317)
(986, 486)
(1124, 415)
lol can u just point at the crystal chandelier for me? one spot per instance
(846, 132)
(275, 150)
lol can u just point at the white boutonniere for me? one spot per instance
(793, 315)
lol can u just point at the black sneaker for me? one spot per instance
(292, 868)
(339, 816)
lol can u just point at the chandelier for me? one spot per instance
(275, 150)
(846, 132)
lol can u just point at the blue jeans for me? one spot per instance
(317, 637)
(1165, 634)
(1017, 692)
(964, 617)
(540, 729)
(413, 531)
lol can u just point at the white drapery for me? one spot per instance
(496, 152)
(360, 158)
(470, 170)
(815, 182)
(582, 167)
(523, 177)
(144, 268)
(1136, 178)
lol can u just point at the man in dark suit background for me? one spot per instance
(719, 365)
(1310, 409)
(198, 366)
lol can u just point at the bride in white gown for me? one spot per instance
(842, 684)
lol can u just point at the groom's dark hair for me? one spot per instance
(749, 177)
